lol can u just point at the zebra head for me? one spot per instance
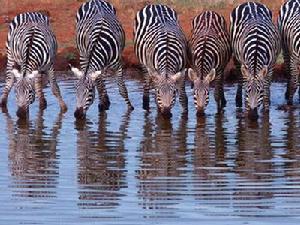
(201, 89)
(165, 89)
(85, 91)
(254, 89)
(25, 91)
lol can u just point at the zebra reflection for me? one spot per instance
(162, 155)
(32, 156)
(101, 162)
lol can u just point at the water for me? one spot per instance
(136, 168)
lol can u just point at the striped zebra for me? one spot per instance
(100, 39)
(210, 51)
(160, 46)
(256, 44)
(31, 48)
(289, 28)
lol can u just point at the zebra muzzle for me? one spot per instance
(79, 113)
(200, 112)
(22, 112)
(253, 114)
(166, 112)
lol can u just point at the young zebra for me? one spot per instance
(31, 48)
(100, 39)
(210, 51)
(256, 44)
(289, 26)
(160, 46)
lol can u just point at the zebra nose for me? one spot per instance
(166, 112)
(200, 111)
(79, 113)
(22, 112)
(253, 114)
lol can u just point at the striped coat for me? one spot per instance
(256, 44)
(210, 51)
(161, 46)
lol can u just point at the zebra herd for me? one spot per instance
(166, 56)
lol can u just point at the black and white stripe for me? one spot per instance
(210, 51)
(160, 46)
(256, 45)
(100, 39)
(31, 48)
(289, 28)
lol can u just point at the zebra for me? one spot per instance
(161, 48)
(255, 42)
(100, 40)
(31, 47)
(210, 51)
(289, 25)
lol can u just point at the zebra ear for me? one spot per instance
(77, 72)
(192, 74)
(16, 74)
(178, 76)
(210, 76)
(95, 75)
(154, 76)
(245, 72)
(263, 72)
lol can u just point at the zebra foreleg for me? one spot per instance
(146, 88)
(55, 90)
(239, 95)
(122, 88)
(104, 102)
(219, 95)
(266, 97)
(292, 84)
(8, 83)
(38, 86)
(183, 99)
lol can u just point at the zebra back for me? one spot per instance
(31, 43)
(255, 39)
(100, 37)
(159, 41)
(209, 44)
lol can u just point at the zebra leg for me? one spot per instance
(55, 90)
(266, 97)
(183, 99)
(104, 102)
(122, 88)
(8, 82)
(239, 95)
(292, 86)
(219, 93)
(292, 83)
(38, 86)
(146, 88)
(286, 59)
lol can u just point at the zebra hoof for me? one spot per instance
(146, 103)
(63, 108)
(290, 102)
(3, 103)
(130, 108)
(43, 104)
(103, 107)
